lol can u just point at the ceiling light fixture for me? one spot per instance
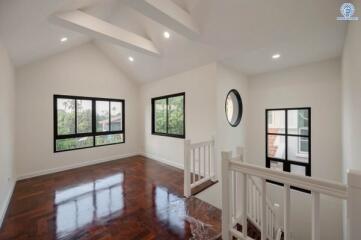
(276, 205)
(276, 56)
(63, 39)
(131, 59)
(166, 35)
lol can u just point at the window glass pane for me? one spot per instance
(175, 115)
(276, 121)
(276, 166)
(73, 143)
(102, 116)
(299, 170)
(84, 116)
(276, 146)
(298, 122)
(160, 116)
(66, 116)
(298, 149)
(116, 116)
(108, 139)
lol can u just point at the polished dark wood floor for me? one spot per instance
(133, 198)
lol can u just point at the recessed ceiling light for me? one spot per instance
(276, 56)
(166, 35)
(63, 39)
(131, 59)
(276, 205)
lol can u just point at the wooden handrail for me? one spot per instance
(326, 187)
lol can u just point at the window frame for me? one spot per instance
(300, 141)
(167, 118)
(286, 162)
(93, 133)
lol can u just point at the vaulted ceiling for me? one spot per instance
(240, 33)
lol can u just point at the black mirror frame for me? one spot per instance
(240, 105)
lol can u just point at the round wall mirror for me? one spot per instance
(234, 108)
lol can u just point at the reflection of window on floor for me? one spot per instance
(170, 209)
(288, 140)
(80, 205)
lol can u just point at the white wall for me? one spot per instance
(200, 106)
(7, 105)
(351, 89)
(228, 138)
(315, 85)
(351, 100)
(82, 71)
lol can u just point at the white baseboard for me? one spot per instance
(73, 166)
(163, 160)
(5, 206)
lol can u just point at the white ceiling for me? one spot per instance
(241, 33)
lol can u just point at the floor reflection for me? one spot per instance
(177, 214)
(81, 205)
(133, 198)
(170, 210)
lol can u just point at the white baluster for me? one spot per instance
(199, 164)
(316, 216)
(264, 211)
(209, 160)
(204, 161)
(194, 165)
(254, 204)
(287, 208)
(258, 207)
(234, 196)
(214, 157)
(187, 162)
(244, 209)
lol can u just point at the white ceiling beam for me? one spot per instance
(99, 29)
(168, 14)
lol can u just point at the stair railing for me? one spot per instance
(350, 192)
(254, 202)
(199, 164)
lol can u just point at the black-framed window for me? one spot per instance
(168, 115)
(85, 122)
(288, 140)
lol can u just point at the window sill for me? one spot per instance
(110, 144)
(169, 135)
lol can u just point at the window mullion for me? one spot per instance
(286, 166)
(167, 111)
(110, 118)
(76, 116)
(94, 128)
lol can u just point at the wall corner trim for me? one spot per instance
(162, 160)
(5, 206)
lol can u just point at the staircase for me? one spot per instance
(200, 170)
(247, 212)
(200, 173)
(350, 192)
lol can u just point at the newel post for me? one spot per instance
(226, 157)
(187, 167)
(214, 159)
(354, 204)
